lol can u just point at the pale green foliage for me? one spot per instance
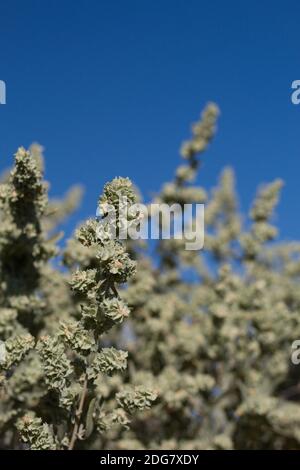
(58, 353)
(138, 398)
(36, 433)
(115, 309)
(107, 361)
(116, 418)
(189, 350)
(57, 367)
(77, 337)
(16, 348)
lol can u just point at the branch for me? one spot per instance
(78, 415)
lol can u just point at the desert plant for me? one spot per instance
(203, 360)
(49, 387)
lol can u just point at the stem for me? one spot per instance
(78, 415)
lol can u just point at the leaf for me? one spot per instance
(89, 418)
(61, 431)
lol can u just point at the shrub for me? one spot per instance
(175, 349)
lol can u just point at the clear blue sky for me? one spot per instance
(110, 87)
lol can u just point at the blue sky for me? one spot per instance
(110, 88)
